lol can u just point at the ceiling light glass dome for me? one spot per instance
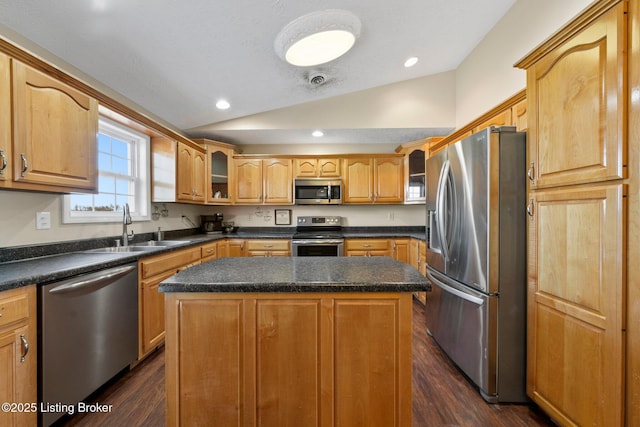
(318, 37)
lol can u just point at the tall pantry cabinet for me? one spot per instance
(577, 158)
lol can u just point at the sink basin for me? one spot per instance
(115, 249)
(160, 243)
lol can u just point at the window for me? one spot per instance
(123, 177)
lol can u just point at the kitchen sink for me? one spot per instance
(115, 249)
(160, 243)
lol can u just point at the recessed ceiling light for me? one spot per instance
(411, 61)
(317, 133)
(222, 104)
(318, 37)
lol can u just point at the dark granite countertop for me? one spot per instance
(46, 263)
(298, 274)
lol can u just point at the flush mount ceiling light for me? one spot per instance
(317, 133)
(317, 37)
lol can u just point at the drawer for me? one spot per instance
(168, 261)
(14, 306)
(267, 245)
(209, 250)
(366, 244)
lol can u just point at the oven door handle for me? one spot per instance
(318, 242)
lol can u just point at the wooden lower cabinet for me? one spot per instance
(368, 247)
(18, 354)
(576, 301)
(152, 271)
(400, 250)
(267, 248)
(288, 359)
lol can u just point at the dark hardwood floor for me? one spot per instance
(442, 396)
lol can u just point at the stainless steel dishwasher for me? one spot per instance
(88, 333)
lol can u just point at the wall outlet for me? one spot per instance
(43, 220)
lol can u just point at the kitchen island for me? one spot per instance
(283, 341)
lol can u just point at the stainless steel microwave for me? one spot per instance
(318, 191)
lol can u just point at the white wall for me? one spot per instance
(487, 77)
(353, 216)
(18, 218)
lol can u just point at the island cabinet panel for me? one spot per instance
(577, 107)
(288, 359)
(54, 133)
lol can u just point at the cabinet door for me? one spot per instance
(415, 176)
(329, 168)
(575, 304)
(235, 248)
(306, 168)
(151, 313)
(278, 181)
(219, 175)
(17, 384)
(389, 180)
(186, 156)
(358, 180)
(401, 250)
(199, 177)
(5, 120)
(577, 107)
(248, 177)
(371, 326)
(191, 174)
(55, 130)
(519, 116)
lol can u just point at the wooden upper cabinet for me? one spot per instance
(519, 116)
(55, 129)
(388, 180)
(5, 120)
(358, 180)
(278, 181)
(218, 180)
(576, 303)
(317, 168)
(263, 181)
(373, 180)
(248, 174)
(191, 170)
(577, 109)
(504, 118)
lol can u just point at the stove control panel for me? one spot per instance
(320, 221)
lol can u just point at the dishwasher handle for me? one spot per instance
(92, 282)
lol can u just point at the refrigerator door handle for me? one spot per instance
(465, 296)
(440, 206)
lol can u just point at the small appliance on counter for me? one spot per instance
(211, 223)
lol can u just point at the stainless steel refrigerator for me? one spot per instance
(476, 256)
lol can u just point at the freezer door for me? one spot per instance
(463, 323)
(465, 200)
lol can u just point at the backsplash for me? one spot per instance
(18, 218)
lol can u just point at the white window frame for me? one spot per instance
(141, 208)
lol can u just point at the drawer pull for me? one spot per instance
(3, 166)
(25, 347)
(25, 165)
(531, 172)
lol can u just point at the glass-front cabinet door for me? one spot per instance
(415, 191)
(219, 173)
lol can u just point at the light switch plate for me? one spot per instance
(43, 220)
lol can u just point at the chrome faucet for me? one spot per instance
(126, 220)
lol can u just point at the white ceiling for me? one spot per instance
(176, 58)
